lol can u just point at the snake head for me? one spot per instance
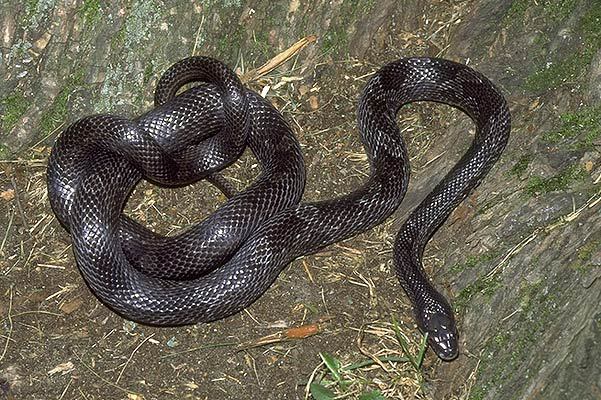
(442, 335)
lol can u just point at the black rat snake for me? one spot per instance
(222, 265)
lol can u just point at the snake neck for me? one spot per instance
(433, 313)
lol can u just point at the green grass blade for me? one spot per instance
(423, 346)
(333, 365)
(375, 395)
(320, 392)
(404, 344)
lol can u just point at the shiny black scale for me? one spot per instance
(226, 262)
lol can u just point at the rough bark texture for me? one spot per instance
(537, 330)
(66, 58)
(521, 259)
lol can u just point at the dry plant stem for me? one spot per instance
(10, 323)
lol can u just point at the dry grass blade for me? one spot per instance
(592, 202)
(131, 356)
(10, 325)
(277, 60)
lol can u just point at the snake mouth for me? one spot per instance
(444, 345)
(442, 336)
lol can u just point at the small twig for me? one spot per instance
(365, 352)
(18, 202)
(293, 333)
(514, 250)
(100, 377)
(48, 135)
(52, 266)
(512, 314)
(82, 394)
(252, 317)
(10, 323)
(254, 366)
(307, 271)
(202, 21)
(471, 379)
(131, 356)
(10, 224)
(207, 346)
(64, 289)
(432, 160)
(323, 299)
(278, 59)
(66, 388)
(33, 312)
(590, 203)
(311, 378)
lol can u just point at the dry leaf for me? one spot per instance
(8, 194)
(534, 105)
(63, 368)
(301, 332)
(69, 306)
(191, 385)
(303, 90)
(313, 103)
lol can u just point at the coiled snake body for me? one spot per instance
(222, 265)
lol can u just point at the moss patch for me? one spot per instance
(142, 18)
(90, 12)
(148, 73)
(260, 47)
(13, 107)
(57, 112)
(336, 38)
(36, 11)
(473, 261)
(483, 285)
(552, 9)
(581, 127)
(520, 167)
(556, 74)
(229, 44)
(4, 152)
(538, 185)
(573, 65)
(504, 353)
(585, 254)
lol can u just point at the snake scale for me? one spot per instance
(224, 263)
